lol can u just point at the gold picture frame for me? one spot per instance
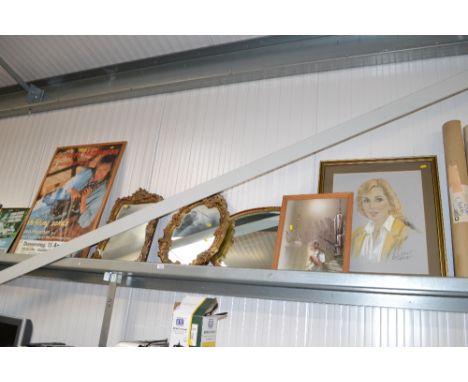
(138, 198)
(233, 253)
(166, 243)
(411, 238)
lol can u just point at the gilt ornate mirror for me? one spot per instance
(250, 241)
(135, 244)
(195, 233)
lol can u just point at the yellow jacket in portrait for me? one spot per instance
(394, 240)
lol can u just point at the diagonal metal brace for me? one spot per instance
(35, 94)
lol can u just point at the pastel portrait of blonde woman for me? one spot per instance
(390, 217)
(387, 229)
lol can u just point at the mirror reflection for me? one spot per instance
(134, 244)
(195, 232)
(194, 235)
(127, 246)
(251, 240)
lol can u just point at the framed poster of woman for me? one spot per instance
(397, 221)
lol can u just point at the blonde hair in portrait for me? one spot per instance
(395, 205)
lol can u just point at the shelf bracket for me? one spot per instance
(114, 279)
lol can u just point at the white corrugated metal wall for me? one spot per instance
(178, 140)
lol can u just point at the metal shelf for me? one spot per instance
(414, 292)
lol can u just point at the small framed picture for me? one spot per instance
(11, 220)
(314, 233)
(397, 221)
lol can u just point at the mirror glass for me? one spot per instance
(253, 239)
(128, 245)
(134, 244)
(194, 234)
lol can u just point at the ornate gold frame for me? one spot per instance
(229, 238)
(140, 196)
(203, 258)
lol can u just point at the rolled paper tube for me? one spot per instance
(465, 136)
(457, 178)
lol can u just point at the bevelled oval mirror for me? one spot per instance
(134, 244)
(195, 232)
(250, 241)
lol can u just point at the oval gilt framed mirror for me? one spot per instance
(195, 233)
(135, 244)
(250, 241)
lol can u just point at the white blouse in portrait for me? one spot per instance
(372, 249)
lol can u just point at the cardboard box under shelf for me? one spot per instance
(194, 322)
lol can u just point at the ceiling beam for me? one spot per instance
(249, 60)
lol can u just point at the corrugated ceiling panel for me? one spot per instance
(181, 139)
(38, 57)
(5, 78)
